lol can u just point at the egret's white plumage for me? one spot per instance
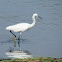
(21, 27)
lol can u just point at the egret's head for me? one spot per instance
(37, 15)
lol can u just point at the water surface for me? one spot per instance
(45, 38)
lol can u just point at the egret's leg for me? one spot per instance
(15, 41)
(12, 33)
(14, 38)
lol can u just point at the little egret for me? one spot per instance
(21, 27)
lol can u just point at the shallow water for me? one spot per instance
(45, 38)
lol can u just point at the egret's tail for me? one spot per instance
(8, 28)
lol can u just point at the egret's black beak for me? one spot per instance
(39, 17)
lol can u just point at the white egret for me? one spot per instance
(21, 27)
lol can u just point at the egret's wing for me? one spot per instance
(18, 27)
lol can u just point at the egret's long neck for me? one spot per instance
(34, 21)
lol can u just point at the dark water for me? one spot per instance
(45, 38)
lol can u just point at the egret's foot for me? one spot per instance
(14, 38)
(15, 41)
